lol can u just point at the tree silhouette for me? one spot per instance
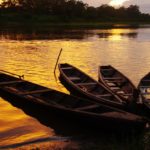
(72, 9)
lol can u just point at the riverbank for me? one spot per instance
(46, 21)
(38, 26)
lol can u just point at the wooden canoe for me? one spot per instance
(66, 104)
(144, 89)
(118, 83)
(87, 87)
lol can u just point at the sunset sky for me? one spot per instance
(144, 4)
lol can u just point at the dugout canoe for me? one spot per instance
(118, 83)
(83, 85)
(77, 108)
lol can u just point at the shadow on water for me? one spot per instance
(87, 136)
(35, 34)
(107, 35)
(57, 33)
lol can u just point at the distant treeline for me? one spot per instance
(68, 10)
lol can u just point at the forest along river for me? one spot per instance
(34, 54)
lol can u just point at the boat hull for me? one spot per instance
(97, 123)
(77, 109)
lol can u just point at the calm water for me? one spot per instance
(34, 54)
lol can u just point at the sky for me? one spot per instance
(143, 4)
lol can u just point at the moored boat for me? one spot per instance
(144, 89)
(77, 81)
(61, 103)
(118, 83)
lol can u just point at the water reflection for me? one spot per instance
(42, 35)
(117, 34)
(54, 34)
(16, 127)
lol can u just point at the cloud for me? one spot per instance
(145, 8)
(117, 2)
(96, 3)
(143, 4)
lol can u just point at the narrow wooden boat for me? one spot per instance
(118, 83)
(76, 80)
(62, 103)
(144, 89)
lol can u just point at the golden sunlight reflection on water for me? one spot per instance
(16, 127)
(126, 49)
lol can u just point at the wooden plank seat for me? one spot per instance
(120, 92)
(145, 86)
(114, 81)
(101, 95)
(115, 88)
(11, 82)
(126, 94)
(65, 68)
(115, 114)
(145, 80)
(111, 83)
(112, 78)
(146, 93)
(88, 83)
(12, 89)
(35, 92)
(74, 78)
(39, 100)
(88, 107)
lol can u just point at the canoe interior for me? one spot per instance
(145, 81)
(85, 83)
(50, 96)
(117, 82)
(144, 87)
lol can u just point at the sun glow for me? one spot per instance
(117, 3)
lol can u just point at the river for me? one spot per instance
(33, 54)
